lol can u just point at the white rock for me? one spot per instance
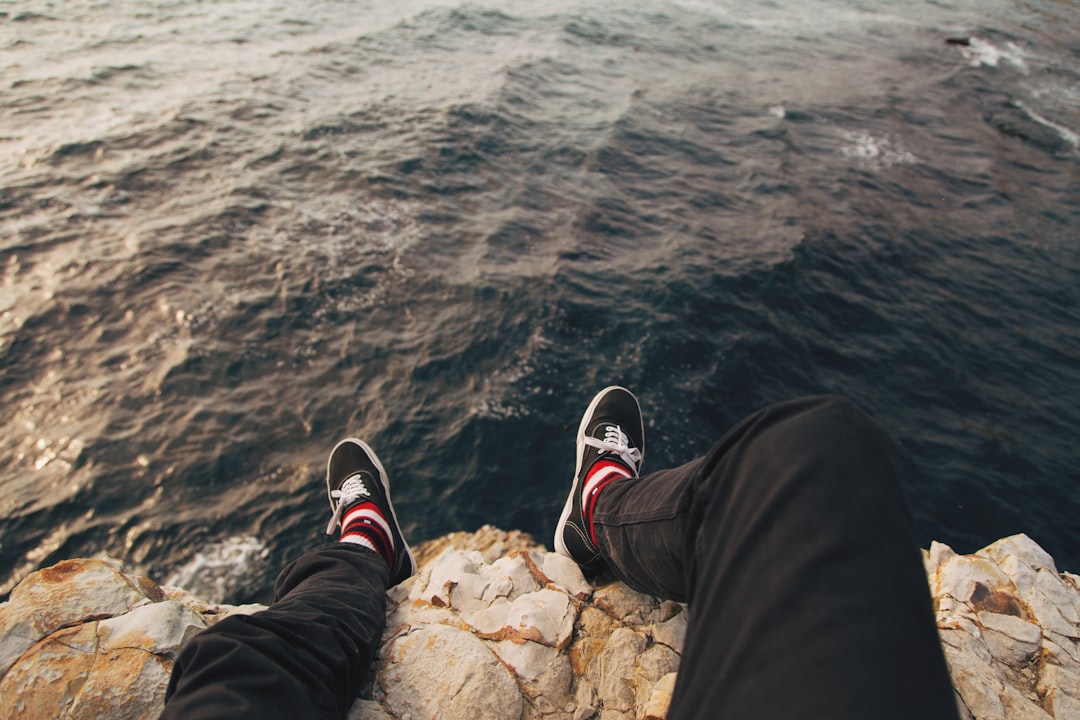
(977, 684)
(1052, 676)
(959, 575)
(446, 573)
(657, 706)
(938, 554)
(66, 676)
(546, 616)
(1061, 650)
(439, 671)
(625, 604)
(584, 712)
(563, 573)
(656, 662)
(585, 698)
(64, 594)
(478, 591)
(1063, 706)
(612, 673)
(1022, 574)
(967, 644)
(1022, 547)
(1063, 595)
(1009, 638)
(1020, 707)
(545, 671)
(491, 622)
(160, 628)
(671, 632)
(528, 660)
(1049, 616)
(124, 684)
(517, 571)
(961, 708)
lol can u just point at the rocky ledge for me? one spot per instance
(494, 626)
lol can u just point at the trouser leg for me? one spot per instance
(305, 656)
(792, 544)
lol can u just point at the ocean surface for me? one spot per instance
(234, 232)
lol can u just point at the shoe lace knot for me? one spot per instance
(617, 442)
(350, 491)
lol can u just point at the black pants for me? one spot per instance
(790, 540)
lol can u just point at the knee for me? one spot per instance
(840, 415)
(836, 436)
(836, 424)
(819, 431)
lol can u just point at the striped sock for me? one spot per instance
(601, 474)
(365, 525)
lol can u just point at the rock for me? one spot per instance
(491, 542)
(671, 632)
(441, 671)
(1019, 706)
(561, 572)
(83, 639)
(1054, 677)
(159, 628)
(657, 706)
(69, 592)
(544, 672)
(1022, 548)
(560, 649)
(495, 626)
(962, 576)
(1063, 706)
(613, 672)
(1008, 624)
(1010, 639)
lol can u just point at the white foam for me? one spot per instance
(216, 571)
(982, 52)
(876, 152)
(1066, 134)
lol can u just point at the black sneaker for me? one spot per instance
(354, 473)
(610, 429)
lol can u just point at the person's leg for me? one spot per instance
(305, 656)
(792, 544)
(309, 653)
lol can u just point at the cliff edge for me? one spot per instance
(494, 626)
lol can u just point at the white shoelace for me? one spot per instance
(350, 491)
(617, 442)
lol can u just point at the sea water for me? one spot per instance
(234, 232)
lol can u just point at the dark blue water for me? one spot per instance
(232, 233)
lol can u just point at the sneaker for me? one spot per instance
(354, 474)
(611, 429)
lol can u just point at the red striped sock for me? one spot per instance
(601, 474)
(365, 525)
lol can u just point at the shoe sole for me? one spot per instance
(568, 507)
(385, 480)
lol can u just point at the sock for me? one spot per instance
(365, 525)
(600, 475)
